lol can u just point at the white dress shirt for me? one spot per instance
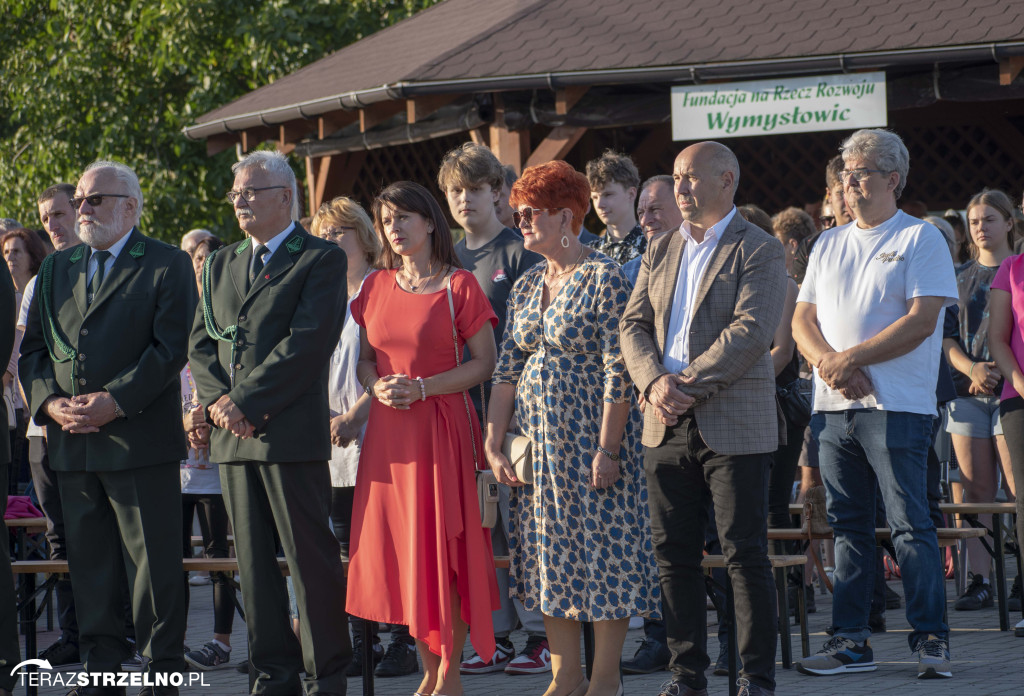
(272, 244)
(115, 250)
(692, 266)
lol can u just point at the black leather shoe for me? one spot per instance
(678, 688)
(649, 657)
(722, 663)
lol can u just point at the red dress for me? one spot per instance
(415, 517)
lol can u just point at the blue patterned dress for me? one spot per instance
(576, 552)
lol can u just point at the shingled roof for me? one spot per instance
(462, 46)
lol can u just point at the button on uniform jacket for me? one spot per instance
(287, 326)
(132, 342)
(738, 306)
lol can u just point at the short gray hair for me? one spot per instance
(196, 235)
(276, 165)
(8, 224)
(126, 175)
(658, 179)
(884, 148)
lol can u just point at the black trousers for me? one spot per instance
(681, 475)
(213, 524)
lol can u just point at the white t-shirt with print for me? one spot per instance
(861, 281)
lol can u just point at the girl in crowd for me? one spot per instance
(419, 555)
(579, 536)
(1006, 345)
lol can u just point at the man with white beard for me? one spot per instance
(106, 338)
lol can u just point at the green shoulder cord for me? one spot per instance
(227, 334)
(51, 334)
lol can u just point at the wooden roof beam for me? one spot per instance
(557, 145)
(418, 108)
(375, 114)
(1009, 69)
(219, 143)
(254, 136)
(333, 122)
(567, 98)
(291, 132)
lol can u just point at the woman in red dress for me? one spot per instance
(419, 556)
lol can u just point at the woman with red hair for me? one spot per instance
(579, 537)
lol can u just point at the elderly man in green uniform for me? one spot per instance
(271, 314)
(107, 335)
(9, 650)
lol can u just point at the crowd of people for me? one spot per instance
(331, 396)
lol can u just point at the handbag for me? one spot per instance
(486, 483)
(795, 400)
(517, 449)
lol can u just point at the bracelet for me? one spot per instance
(423, 389)
(971, 371)
(368, 387)
(613, 457)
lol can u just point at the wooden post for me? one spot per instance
(510, 147)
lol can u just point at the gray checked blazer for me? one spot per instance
(738, 306)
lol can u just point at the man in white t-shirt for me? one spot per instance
(867, 319)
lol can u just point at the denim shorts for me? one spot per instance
(974, 416)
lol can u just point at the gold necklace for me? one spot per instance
(570, 268)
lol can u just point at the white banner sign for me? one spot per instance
(785, 105)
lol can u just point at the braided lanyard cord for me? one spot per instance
(227, 334)
(51, 334)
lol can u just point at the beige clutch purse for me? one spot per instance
(516, 449)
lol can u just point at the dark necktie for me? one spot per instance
(257, 263)
(97, 277)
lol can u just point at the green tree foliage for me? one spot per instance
(82, 80)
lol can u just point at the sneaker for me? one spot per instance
(355, 667)
(978, 595)
(135, 663)
(892, 599)
(534, 659)
(209, 657)
(504, 651)
(650, 657)
(61, 653)
(838, 656)
(198, 580)
(932, 658)
(678, 688)
(399, 660)
(1013, 601)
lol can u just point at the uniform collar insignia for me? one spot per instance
(294, 244)
(77, 254)
(137, 250)
(243, 246)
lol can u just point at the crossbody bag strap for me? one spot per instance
(458, 363)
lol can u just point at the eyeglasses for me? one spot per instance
(249, 194)
(859, 175)
(95, 200)
(526, 215)
(333, 234)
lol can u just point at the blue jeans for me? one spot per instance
(856, 449)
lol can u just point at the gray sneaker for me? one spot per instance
(932, 658)
(209, 657)
(839, 656)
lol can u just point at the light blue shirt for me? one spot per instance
(272, 244)
(115, 250)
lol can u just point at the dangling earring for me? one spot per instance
(565, 241)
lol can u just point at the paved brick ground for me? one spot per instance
(987, 662)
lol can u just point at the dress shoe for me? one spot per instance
(678, 688)
(722, 663)
(651, 656)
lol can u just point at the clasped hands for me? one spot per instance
(225, 414)
(838, 372)
(667, 399)
(984, 377)
(85, 413)
(397, 391)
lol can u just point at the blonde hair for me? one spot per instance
(345, 212)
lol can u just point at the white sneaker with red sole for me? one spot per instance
(503, 654)
(535, 658)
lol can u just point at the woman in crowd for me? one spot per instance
(24, 252)
(201, 494)
(419, 555)
(579, 536)
(985, 367)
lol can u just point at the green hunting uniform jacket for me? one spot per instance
(131, 342)
(278, 337)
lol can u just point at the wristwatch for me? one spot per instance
(613, 457)
(118, 411)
